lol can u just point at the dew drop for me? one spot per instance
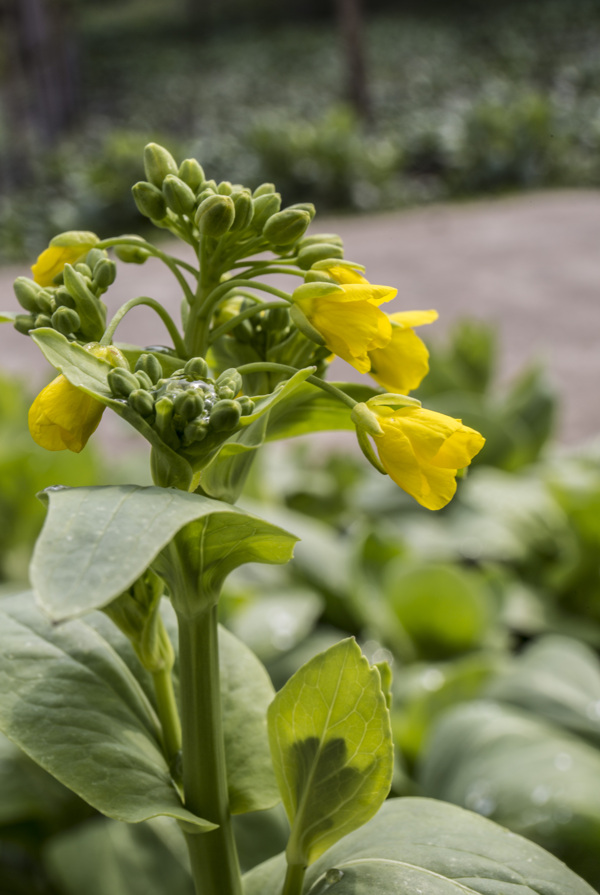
(432, 679)
(563, 761)
(333, 876)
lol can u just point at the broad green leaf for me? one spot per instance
(526, 774)
(105, 857)
(331, 744)
(97, 541)
(427, 847)
(313, 410)
(559, 679)
(69, 701)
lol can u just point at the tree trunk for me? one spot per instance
(350, 23)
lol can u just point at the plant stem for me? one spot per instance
(267, 367)
(213, 855)
(167, 712)
(172, 263)
(294, 878)
(160, 310)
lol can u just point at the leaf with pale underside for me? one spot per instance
(331, 744)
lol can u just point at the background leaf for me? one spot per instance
(331, 743)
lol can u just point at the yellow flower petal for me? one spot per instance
(53, 259)
(62, 417)
(346, 275)
(422, 450)
(414, 318)
(402, 364)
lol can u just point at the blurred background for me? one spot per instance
(454, 145)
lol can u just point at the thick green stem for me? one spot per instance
(266, 367)
(294, 878)
(167, 712)
(149, 303)
(213, 855)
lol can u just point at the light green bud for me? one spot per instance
(164, 421)
(196, 367)
(141, 401)
(230, 378)
(62, 297)
(244, 210)
(27, 292)
(318, 251)
(192, 173)
(246, 403)
(86, 304)
(286, 226)
(23, 323)
(105, 273)
(158, 162)
(144, 380)
(225, 415)
(83, 269)
(194, 432)
(225, 188)
(264, 205)
(46, 303)
(318, 276)
(149, 200)
(264, 189)
(308, 207)
(215, 215)
(42, 320)
(189, 404)
(122, 382)
(179, 196)
(331, 238)
(66, 321)
(149, 365)
(94, 256)
(132, 254)
(210, 185)
(364, 418)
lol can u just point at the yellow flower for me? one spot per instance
(403, 363)
(62, 417)
(66, 248)
(343, 273)
(347, 318)
(422, 450)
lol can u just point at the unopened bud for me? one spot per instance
(150, 365)
(164, 421)
(149, 200)
(314, 238)
(194, 432)
(143, 379)
(82, 268)
(179, 196)
(265, 205)
(189, 404)
(42, 320)
(23, 323)
(86, 304)
(318, 251)
(122, 382)
(158, 162)
(62, 297)
(264, 189)
(229, 378)
(66, 321)
(244, 210)
(93, 257)
(141, 401)
(225, 188)
(192, 173)
(196, 367)
(215, 215)
(27, 293)
(364, 418)
(246, 403)
(286, 226)
(308, 207)
(225, 415)
(131, 254)
(105, 273)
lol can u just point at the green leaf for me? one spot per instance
(524, 773)
(97, 541)
(8, 316)
(331, 744)
(313, 410)
(69, 701)
(106, 857)
(425, 846)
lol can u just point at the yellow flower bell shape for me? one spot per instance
(422, 450)
(63, 417)
(66, 248)
(402, 364)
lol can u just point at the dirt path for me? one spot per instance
(530, 263)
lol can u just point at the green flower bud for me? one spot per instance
(189, 404)
(46, 303)
(95, 256)
(196, 367)
(246, 403)
(149, 200)
(215, 215)
(83, 269)
(229, 379)
(364, 418)
(308, 207)
(264, 205)
(319, 251)
(23, 323)
(158, 162)
(264, 189)
(204, 194)
(225, 188)
(164, 421)
(122, 382)
(225, 415)
(132, 254)
(194, 432)
(88, 307)
(276, 320)
(210, 185)
(105, 273)
(244, 210)
(286, 226)
(144, 380)
(42, 320)
(63, 298)
(66, 321)
(179, 196)
(150, 365)
(141, 401)
(192, 173)
(27, 293)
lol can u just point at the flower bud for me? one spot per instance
(93, 257)
(27, 292)
(264, 189)
(158, 162)
(196, 367)
(105, 273)
(192, 173)
(66, 321)
(215, 215)
(150, 365)
(23, 323)
(229, 378)
(42, 320)
(308, 207)
(225, 188)
(364, 418)
(319, 251)
(275, 320)
(194, 432)
(164, 421)
(63, 298)
(82, 268)
(149, 200)
(286, 226)
(225, 415)
(86, 304)
(265, 205)
(189, 404)
(122, 382)
(131, 254)
(179, 196)
(244, 210)
(141, 401)
(314, 238)
(246, 403)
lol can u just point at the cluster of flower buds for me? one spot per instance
(72, 305)
(172, 193)
(186, 408)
